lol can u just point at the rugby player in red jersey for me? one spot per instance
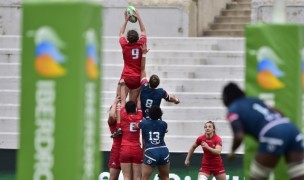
(114, 163)
(134, 66)
(131, 153)
(211, 162)
(145, 50)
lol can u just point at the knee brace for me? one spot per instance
(296, 169)
(258, 171)
(202, 177)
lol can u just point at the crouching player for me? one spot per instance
(276, 135)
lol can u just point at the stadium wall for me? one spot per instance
(261, 11)
(180, 18)
(173, 18)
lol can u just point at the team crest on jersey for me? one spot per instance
(149, 161)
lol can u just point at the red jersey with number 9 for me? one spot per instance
(132, 55)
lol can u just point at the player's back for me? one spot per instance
(130, 134)
(150, 97)
(132, 55)
(253, 113)
(153, 132)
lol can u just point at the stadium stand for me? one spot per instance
(194, 69)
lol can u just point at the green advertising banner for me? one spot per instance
(274, 74)
(60, 91)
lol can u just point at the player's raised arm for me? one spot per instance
(123, 93)
(141, 24)
(138, 104)
(123, 27)
(145, 50)
(112, 112)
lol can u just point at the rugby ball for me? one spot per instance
(131, 11)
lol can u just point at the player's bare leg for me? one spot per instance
(203, 176)
(136, 168)
(295, 163)
(146, 171)
(120, 91)
(164, 171)
(114, 174)
(262, 165)
(133, 94)
(221, 176)
(126, 170)
(125, 91)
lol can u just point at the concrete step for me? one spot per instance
(239, 6)
(183, 128)
(232, 19)
(9, 55)
(9, 83)
(182, 85)
(223, 55)
(170, 112)
(219, 26)
(10, 41)
(191, 61)
(184, 113)
(175, 145)
(165, 71)
(171, 85)
(9, 125)
(154, 43)
(186, 127)
(242, 1)
(235, 12)
(231, 33)
(181, 71)
(11, 141)
(111, 56)
(9, 69)
(9, 97)
(175, 43)
(238, 59)
(9, 111)
(187, 98)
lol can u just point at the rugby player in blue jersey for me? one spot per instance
(276, 135)
(156, 152)
(150, 95)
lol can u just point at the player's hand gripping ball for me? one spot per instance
(131, 12)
